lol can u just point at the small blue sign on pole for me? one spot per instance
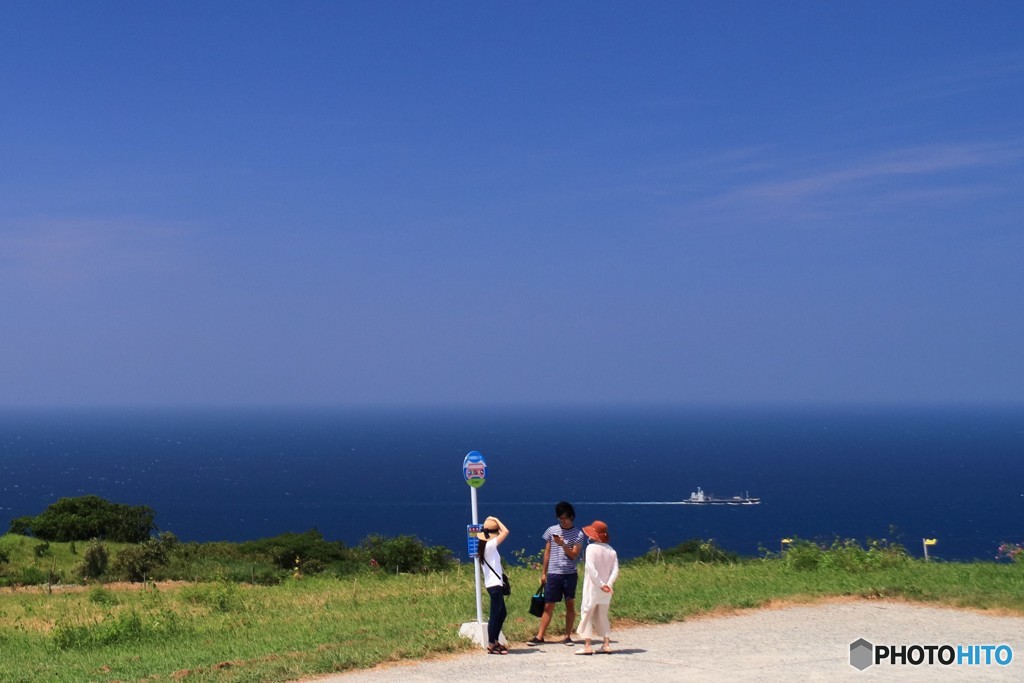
(473, 542)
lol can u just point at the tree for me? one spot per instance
(88, 517)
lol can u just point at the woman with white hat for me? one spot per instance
(492, 535)
(601, 568)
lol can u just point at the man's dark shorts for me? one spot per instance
(559, 586)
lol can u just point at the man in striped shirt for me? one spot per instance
(563, 544)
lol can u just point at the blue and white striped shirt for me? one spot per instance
(558, 561)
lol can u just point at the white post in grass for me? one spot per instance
(925, 542)
(474, 469)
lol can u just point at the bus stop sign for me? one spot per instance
(474, 468)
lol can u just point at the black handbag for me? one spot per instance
(537, 601)
(506, 587)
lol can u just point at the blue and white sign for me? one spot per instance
(473, 542)
(474, 468)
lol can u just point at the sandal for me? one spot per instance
(567, 641)
(502, 650)
(495, 649)
(532, 642)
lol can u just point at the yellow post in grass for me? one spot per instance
(925, 542)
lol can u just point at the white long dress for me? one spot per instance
(601, 568)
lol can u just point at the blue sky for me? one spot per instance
(237, 203)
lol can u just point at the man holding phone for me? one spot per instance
(563, 544)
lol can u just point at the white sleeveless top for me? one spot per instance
(492, 579)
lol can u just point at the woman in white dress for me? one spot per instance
(601, 568)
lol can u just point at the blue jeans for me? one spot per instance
(498, 613)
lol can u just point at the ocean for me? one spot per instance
(898, 474)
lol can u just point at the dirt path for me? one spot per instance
(804, 642)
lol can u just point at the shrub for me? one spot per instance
(845, 555)
(401, 554)
(692, 550)
(437, 558)
(802, 556)
(405, 554)
(137, 562)
(314, 553)
(94, 561)
(31, 576)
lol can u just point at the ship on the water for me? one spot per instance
(698, 497)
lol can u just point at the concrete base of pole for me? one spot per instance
(477, 632)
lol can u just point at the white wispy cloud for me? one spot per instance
(942, 173)
(914, 162)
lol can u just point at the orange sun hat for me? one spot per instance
(597, 531)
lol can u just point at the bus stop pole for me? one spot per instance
(476, 564)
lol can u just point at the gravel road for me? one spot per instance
(804, 642)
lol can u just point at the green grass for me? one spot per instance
(32, 561)
(229, 632)
(666, 593)
(222, 631)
